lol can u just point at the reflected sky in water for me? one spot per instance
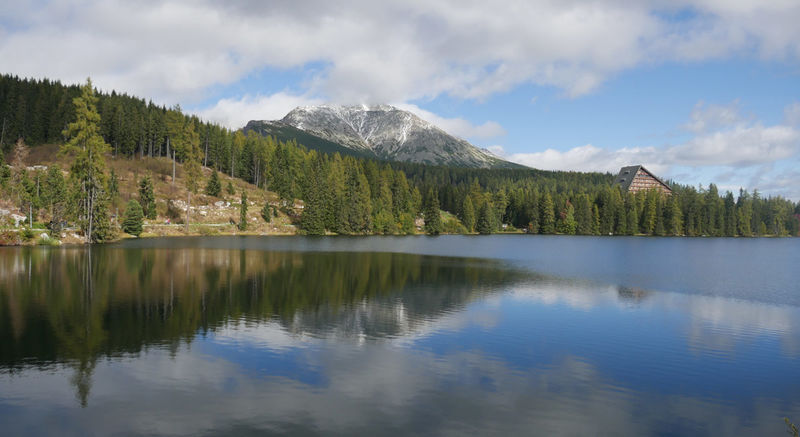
(339, 336)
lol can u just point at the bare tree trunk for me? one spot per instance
(89, 214)
(205, 161)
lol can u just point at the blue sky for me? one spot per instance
(699, 91)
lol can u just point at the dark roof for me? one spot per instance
(626, 174)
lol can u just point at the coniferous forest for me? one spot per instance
(340, 194)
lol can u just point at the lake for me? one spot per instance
(449, 335)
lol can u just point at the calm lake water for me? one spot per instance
(453, 335)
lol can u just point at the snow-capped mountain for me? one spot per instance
(384, 132)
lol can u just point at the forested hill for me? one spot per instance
(353, 195)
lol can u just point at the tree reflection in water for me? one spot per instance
(74, 306)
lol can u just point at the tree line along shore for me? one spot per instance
(85, 166)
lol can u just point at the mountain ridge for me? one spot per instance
(380, 131)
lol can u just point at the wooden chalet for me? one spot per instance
(636, 178)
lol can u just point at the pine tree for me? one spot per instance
(632, 226)
(433, 218)
(673, 217)
(113, 185)
(133, 219)
(88, 170)
(243, 212)
(546, 215)
(214, 187)
(650, 213)
(356, 213)
(5, 171)
(230, 188)
(147, 198)
(485, 223)
(567, 224)
(468, 214)
(313, 219)
(266, 212)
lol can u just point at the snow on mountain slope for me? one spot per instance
(388, 133)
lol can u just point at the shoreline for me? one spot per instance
(71, 241)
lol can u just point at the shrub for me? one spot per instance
(214, 186)
(134, 217)
(26, 234)
(265, 213)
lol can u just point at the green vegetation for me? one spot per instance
(324, 192)
(791, 427)
(243, 212)
(134, 217)
(87, 174)
(214, 187)
(147, 197)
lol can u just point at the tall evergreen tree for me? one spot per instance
(433, 218)
(214, 187)
(566, 222)
(468, 214)
(313, 219)
(87, 173)
(485, 222)
(133, 219)
(147, 199)
(243, 212)
(546, 215)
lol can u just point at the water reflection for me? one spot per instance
(222, 341)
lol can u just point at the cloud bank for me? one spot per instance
(723, 137)
(372, 52)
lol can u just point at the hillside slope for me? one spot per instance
(208, 215)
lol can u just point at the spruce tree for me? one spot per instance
(147, 198)
(313, 219)
(243, 212)
(433, 218)
(567, 224)
(230, 188)
(266, 212)
(484, 224)
(113, 185)
(546, 215)
(133, 219)
(468, 214)
(87, 173)
(214, 187)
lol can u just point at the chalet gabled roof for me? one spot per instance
(626, 175)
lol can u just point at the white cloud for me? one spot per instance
(394, 50)
(707, 117)
(235, 113)
(590, 158)
(497, 149)
(791, 114)
(456, 126)
(740, 146)
(735, 146)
